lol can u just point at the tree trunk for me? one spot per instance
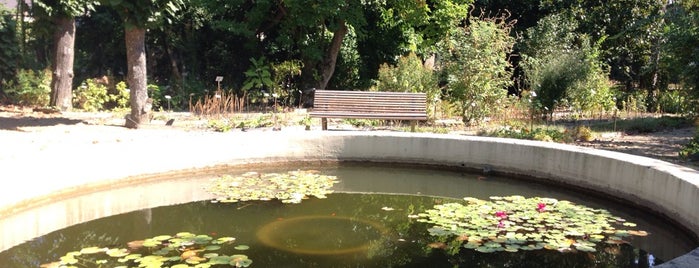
(330, 58)
(136, 77)
(63, 49)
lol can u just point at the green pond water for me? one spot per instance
(364, 224)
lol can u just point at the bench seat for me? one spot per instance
(369, 105)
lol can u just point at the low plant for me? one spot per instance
(90, 96)
(31, 88)
(362, 122)
(582, 133)
(644, 125)
(690, 151)
(181, 250)
(540, 134)
(221, 125)
(120, 98)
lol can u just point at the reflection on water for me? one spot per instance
(375, 227)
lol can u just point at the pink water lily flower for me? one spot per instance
(501, 214)
(541, 207)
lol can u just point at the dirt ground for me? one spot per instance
(663, 145)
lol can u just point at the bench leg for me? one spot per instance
(324, 123)
(413, 123)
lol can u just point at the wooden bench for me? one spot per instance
(369, 105)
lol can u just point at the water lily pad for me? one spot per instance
(117, 253)
(92, 250)
(242, 247)
(528, 223)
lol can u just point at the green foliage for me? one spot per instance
(258, 76)
(30, 88)
(290, 187)
(67, 8)
(284, 74)
(181, 250)
(515, 223)
(10, 48)
(690, 151)
(476, 67)
(562, 73)
(90, 96)
(583, 133)
(155, 93)
(634, 102)
(121, 96)
(141, 13)
(675, 102)
(540, 134)
(410, 75)
(644, 125)
(362, 122)
(223, 125)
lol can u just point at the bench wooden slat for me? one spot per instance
(369, 105)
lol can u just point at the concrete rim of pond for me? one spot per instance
(670, 190)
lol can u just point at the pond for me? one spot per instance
(370, 221)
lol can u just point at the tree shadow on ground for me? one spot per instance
(14, 123)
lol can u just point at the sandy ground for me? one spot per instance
(31, 130)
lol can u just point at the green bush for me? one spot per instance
(90, 96)
(690, 151)
(540, 134)
(31, 88)
(10, 48)
(410, 75)
(476, 68)
(673, 101)
(120, 99)
(582, 133)
(565, 69)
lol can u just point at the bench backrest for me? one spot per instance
(370, 104)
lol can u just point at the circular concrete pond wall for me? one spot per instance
(33, 203)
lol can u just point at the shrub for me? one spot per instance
(690, 151)
(476, 67)
(120, 98)
(31, 88)
(410, 75)
(674, 101)
(540, 134)
(10, 48)
(582, 133)
(90, 96)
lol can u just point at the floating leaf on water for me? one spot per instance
(179, 266)
(222, 240)
(242, 247)
(220, 260)
(92, 250)
(212, 247)
(151, 243)
(290, 187)
(638, 233)
(117, 253)
(195, 260)
(515, 220)
(161, 237)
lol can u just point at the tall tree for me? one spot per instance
(61, 15)
(137, 14)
